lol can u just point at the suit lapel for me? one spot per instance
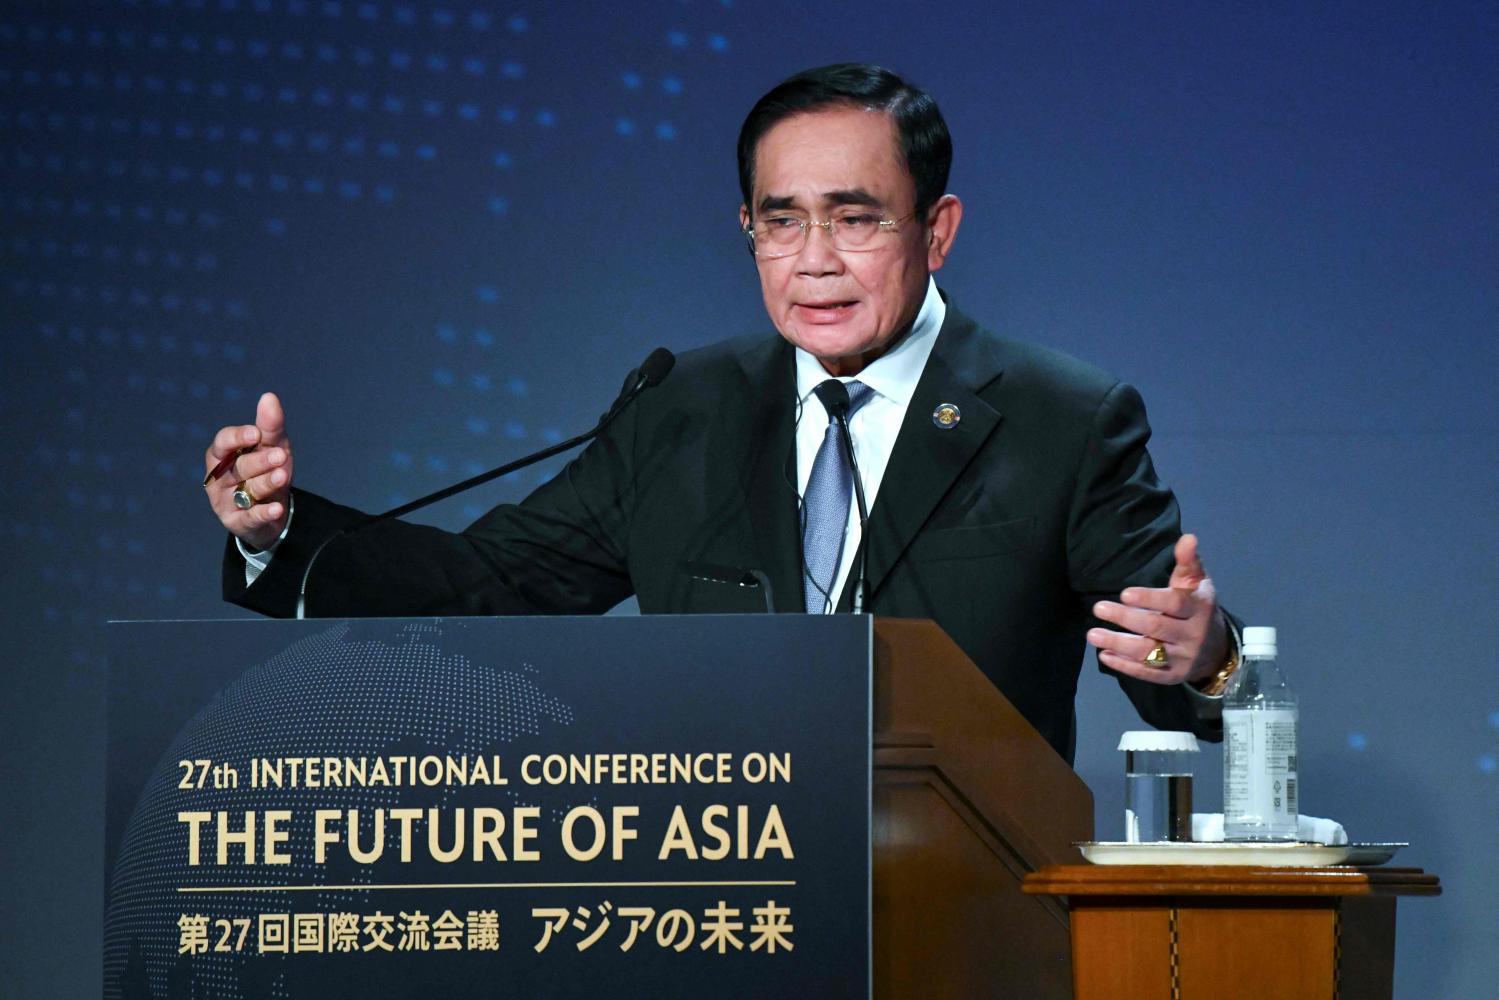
(927, 459)
(770, 490)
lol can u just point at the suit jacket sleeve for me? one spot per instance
(561, 551)
(1122, 531)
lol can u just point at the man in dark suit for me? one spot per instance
(1010, 495)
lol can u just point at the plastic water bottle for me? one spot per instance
(1259, 746)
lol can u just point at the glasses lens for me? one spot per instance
(778, 236)
(855, 231)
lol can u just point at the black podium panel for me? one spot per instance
(559, 807)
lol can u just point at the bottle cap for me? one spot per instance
(1259, 641)
(1154, 741)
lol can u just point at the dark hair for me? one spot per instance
(923, 134)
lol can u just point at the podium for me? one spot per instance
(968, 799)
(920, 801)
(858, 811)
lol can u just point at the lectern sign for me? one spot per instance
(558, 807)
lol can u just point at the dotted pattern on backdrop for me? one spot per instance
(154, 153)
(347, 697)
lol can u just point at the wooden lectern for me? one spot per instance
(968, 799)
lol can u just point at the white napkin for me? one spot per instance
(1208, 828)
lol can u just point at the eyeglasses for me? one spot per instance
(778, 236)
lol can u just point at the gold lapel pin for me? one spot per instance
(946, 416)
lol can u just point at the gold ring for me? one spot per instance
(1157, 656)
(243, 498)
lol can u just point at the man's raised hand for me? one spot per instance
(1183, 617)
(261, 468)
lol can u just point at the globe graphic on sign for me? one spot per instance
(354, 690)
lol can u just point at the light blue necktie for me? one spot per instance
(830, 490)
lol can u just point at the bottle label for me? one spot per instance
(1259, 773)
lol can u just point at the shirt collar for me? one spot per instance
(893, 375)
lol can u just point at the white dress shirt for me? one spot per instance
(874, 425)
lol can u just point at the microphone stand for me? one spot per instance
(859, 554)
(651, 372)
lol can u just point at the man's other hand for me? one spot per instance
(1183, 617)
(262, 466)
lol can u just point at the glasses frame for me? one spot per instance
(828, 225)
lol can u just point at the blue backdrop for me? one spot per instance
(444, 231)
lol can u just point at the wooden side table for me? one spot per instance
(1224, 933)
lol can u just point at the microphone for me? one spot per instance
(652, 371)
(834, 397)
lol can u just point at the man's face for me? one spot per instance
(846, 308)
